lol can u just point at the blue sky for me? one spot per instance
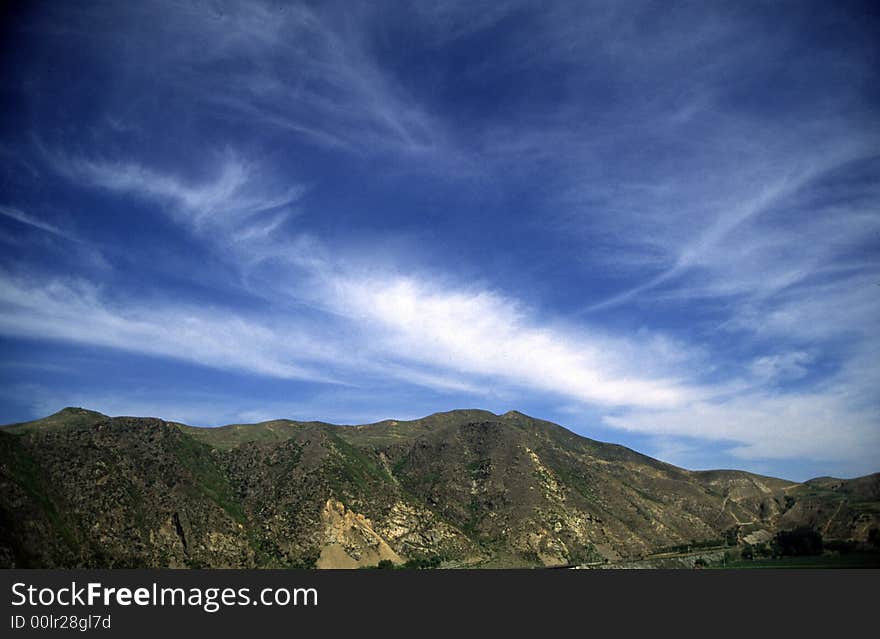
(654, 223)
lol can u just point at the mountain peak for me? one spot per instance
(67, 416)
(77, 411)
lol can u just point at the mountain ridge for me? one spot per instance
(459, 488)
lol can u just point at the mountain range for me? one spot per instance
(465, 488)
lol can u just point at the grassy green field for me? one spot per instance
(849, 560)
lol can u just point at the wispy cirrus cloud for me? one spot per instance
(306, 72)
(21, 217)
(788, 365)
(824, 424)
(752, 238)
(76, 311)
(223, 203)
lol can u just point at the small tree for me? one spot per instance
(874, 537)
(799, 542)
(731, 536)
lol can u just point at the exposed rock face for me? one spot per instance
(349, 540)
(461, 488)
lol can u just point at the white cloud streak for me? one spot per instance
(226, 203)
(820, 425)
(33, 222)
(479, 333)
(76, 311)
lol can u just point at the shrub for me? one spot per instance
(430, 562)
(874, 537)
(799, 542)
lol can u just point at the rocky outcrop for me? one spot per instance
(349, 540)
